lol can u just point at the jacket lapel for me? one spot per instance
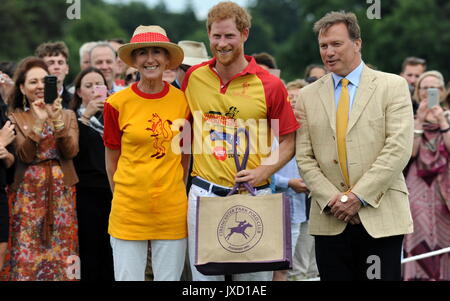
(326, 94)
(365, 91)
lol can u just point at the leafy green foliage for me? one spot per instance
(280, 27)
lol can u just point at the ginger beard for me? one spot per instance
(227, 55)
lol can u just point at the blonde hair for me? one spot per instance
(435, 74)
(296, 84)
(227, 10)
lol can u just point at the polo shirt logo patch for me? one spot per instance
(245, 87)
(244, 92)
(220, 153)
(219, 136)
(232, 112)
(161, 133)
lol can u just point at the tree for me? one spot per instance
(96, 24)
(281, 27)
(417, 28)
(406, 28)
(26, 24)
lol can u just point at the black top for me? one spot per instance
(66, 97)
(90, 161)
(6, 175)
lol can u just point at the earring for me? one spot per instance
(24, 101)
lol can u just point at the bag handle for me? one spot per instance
(242, 166)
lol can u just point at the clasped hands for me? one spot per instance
(345, 211)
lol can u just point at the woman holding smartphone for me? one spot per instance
(93, 192)
(44, 240)
(428, 182)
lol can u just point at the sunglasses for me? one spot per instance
(185, 68)
(135, 76)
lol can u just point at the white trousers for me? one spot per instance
(195, 192)
(304, 260)
(130, 259)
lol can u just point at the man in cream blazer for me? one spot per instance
(358, 220)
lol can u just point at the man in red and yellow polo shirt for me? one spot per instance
(228, 92)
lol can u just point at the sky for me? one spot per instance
(201, 7)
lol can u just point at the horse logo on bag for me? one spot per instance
(161, 133)
(240, 229)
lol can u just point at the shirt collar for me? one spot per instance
(353, 77)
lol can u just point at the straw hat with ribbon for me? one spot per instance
(151, 36)
(194, 52)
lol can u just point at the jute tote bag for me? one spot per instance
(243, 233)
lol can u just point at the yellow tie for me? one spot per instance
(341, 127)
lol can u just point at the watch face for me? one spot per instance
(344, 198)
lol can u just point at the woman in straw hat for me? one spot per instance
(145, 167)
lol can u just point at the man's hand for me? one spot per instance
(252, 176)
(355, 220)
(298, 185)
(345, 211)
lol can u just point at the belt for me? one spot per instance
(220, 191)
(49, 218)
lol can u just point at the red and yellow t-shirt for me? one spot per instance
(253, 99)
(149, 200)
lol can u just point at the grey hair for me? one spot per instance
(102, 44)
(86, 47)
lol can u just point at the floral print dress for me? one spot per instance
(44, 241)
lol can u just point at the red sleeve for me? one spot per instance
(111, 132)
(278, 105)
(188, 74)
(186, 132)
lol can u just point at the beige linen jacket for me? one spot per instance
(379, 144)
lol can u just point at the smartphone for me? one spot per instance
(50, 90)
(101, 90)
(433, 97)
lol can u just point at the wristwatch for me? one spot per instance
(344, 198)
